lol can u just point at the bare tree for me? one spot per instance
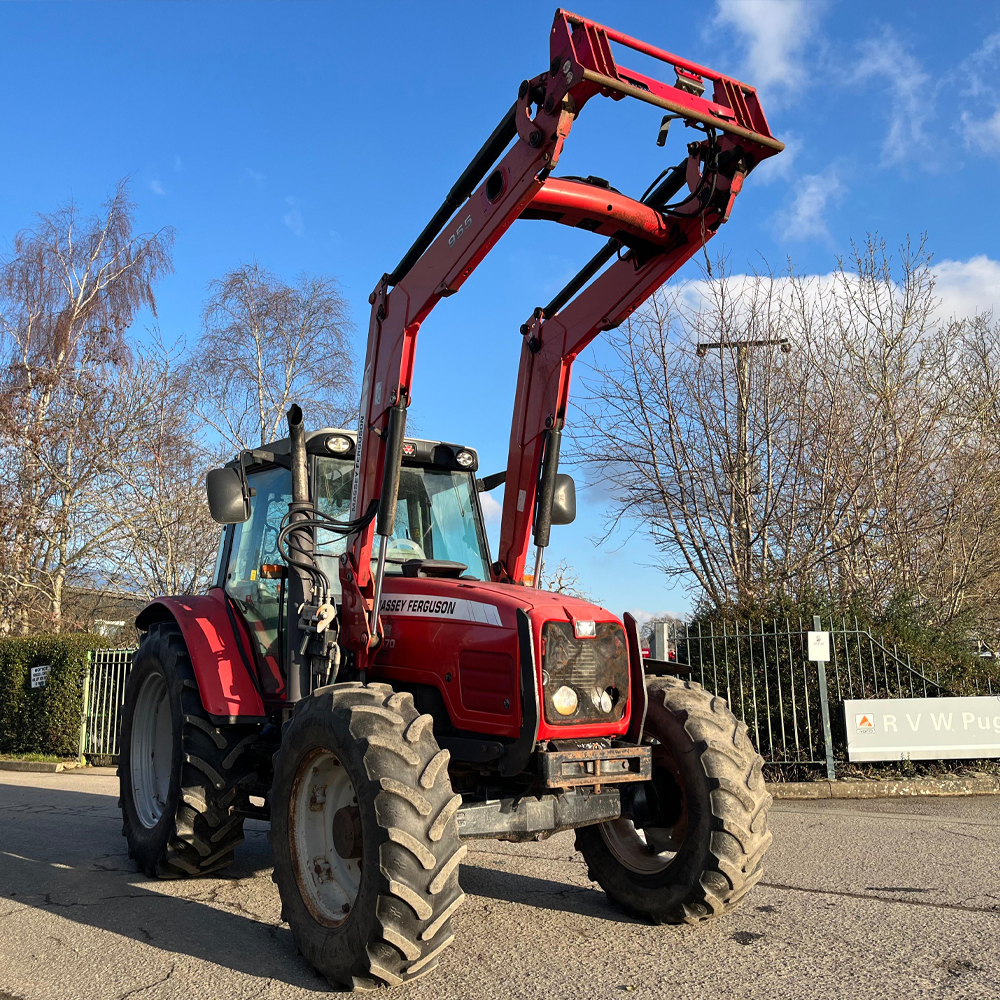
(563, 579)
(266, 344)
(69, 290)
(160, 538)
(861, 462)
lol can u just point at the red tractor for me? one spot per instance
(382, 709)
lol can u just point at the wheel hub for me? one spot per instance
(648, 841)
(347, 832)
(325, 823)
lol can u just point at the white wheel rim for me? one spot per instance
(327, 882)
(151, 750)
(631, 848)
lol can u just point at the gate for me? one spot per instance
(103, 695)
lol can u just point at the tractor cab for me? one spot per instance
(439, 529)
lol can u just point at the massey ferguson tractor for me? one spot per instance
(382, 705)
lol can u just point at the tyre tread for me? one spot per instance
(731, 770)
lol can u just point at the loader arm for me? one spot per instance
(650, 239)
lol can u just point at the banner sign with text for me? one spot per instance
(922, 728)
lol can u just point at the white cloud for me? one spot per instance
(968, 286)
(981, 133)
(254, 176)
(642, 617)
(779, 167)
(805, 218)
(910, 104)
(979, 65)
(981, 128)
(293, 217)
(492, 510)
(156, 187)
(962, 287)
(775, 35)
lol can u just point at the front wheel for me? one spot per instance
(694, 844)
(365, 836)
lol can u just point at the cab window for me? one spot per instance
(251, 580)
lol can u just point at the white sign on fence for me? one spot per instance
(818, 644)
(922, 728)
(40, 676)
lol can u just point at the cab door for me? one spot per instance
(255, 578)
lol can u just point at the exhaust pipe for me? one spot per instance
(300, 545)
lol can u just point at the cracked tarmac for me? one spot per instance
(894, 897)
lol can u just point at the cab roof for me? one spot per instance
(416, 451)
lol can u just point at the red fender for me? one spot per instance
(225, 687)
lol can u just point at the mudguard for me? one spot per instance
(226, 690)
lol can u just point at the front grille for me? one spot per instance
(596, 670)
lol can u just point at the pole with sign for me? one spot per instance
(818, 645)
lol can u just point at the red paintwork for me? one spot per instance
(427, 649)
(225, 688)
(576, 203)
(577, 47)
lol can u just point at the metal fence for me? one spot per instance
(103, 695)
(791, 704)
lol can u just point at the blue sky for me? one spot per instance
(320, 137)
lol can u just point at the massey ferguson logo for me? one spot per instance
(425, 606)
(417, 606)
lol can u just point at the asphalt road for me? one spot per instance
(886, 898)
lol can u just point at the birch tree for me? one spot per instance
(69, 291)
(266, 344)
(161, 537)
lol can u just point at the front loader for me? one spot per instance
(364, 673)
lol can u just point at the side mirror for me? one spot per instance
(228, 496)
(564, 500)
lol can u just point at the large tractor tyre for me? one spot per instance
(699, 847)
(180, 775)
(365, 836)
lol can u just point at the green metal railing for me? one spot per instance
(103, 695)
(790, 704)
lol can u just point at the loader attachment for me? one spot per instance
(646, 240)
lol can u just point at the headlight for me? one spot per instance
(338, 444)
(565, 700)
(465, 459)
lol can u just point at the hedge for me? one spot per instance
(47, 719)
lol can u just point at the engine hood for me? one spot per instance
(486, 603)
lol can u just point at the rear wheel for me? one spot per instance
(694, 846)
(365, 837)
(180, 775)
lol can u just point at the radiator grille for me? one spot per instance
(596, 670)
